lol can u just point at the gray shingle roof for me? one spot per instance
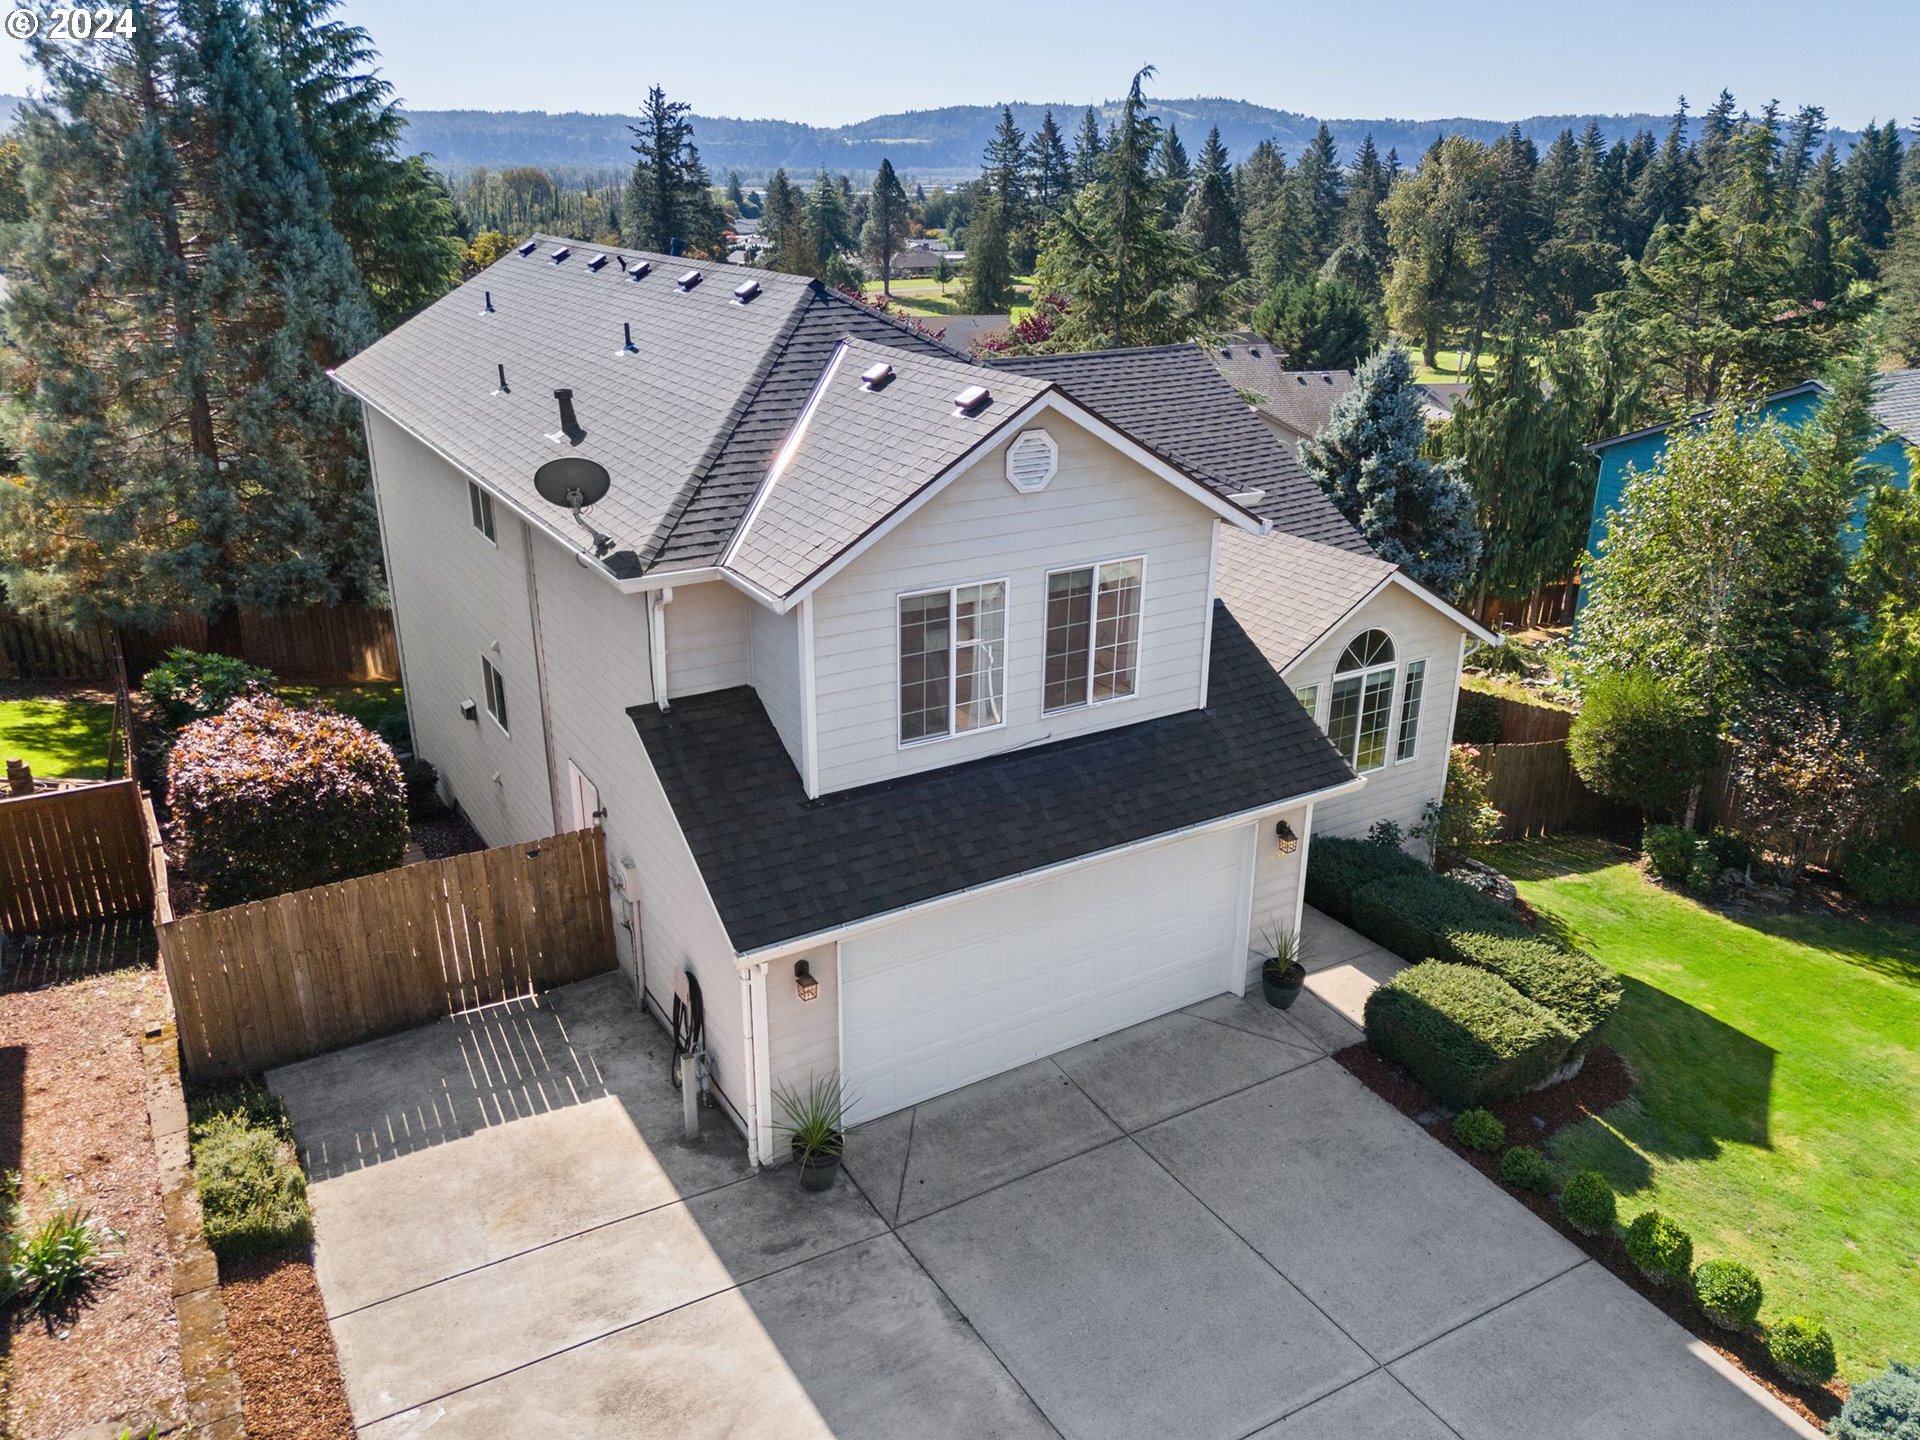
(1896, 403)
(1301, 400)
(780, 866)
(1288, 592)
(1170, 399)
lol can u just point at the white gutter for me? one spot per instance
(797, 945)
(657, 602)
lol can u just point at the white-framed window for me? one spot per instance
(1411, 693)
(480, 504)
(1361, 711)
(953, 661)
(496, 693)
(1309, 698)
(1093, 634)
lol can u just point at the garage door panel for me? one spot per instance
(938, 1000)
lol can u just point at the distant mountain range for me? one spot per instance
(934, 145)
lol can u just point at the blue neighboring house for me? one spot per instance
(1896, 406)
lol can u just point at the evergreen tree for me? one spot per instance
(830, 231)
(1361, 223)
(1320, 324)
(989, 261)
(1871, 178)
(1665, 188)
(179, 295)
(1415, 512)
(736, 196)
(394, 213)
(1322, 195)
(1822, 249)
(1087, 146)
(1509, 235)
(1172, 171)
(667, 206)
(1797, 155)
(1005, 174)
(783, 222)
(1716, 141)
(1049, 170)
(1211, 220)
(888, 225)
(1900, 272)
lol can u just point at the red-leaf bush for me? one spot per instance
(269, 799)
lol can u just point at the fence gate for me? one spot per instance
(71, 857)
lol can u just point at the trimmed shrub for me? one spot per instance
(1887, 1407)
(422, 783)
(1576, 989)
(1527, 1169)
(1731, 851)
(1802, 1350)
(189, 686)
(1704, 874)
(1417, 916)
(1477, 720)
(1661, 1249)
(1885, 875)
(1468, 1036)
(1337, 867)
(1729, 1293)
(1669, 850)
(253, 1196)
(1587, 1202)
(1639, 740)
(1479, 1129)
(270, 799)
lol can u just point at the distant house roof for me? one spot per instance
(963, 331)
(1300, 400)
(1445, 397)
(781, 867)
(916, 260)
(1896, 405)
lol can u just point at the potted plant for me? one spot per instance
(812, 1118)
(1282, 976)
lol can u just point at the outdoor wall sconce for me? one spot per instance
(469, 710)
(1286, 839)
(804, 982)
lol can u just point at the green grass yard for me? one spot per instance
(369, 703)
(59, 739)
(929, 300)
(1778, 1115)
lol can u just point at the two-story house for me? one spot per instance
(939, 716)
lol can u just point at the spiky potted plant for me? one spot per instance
(1281, 974)
(812, 1117)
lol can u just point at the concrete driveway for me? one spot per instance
(1197, 1227)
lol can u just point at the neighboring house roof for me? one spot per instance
(1300, 400)
(962, 331)
(1171, 399)
(781, 867)
(1896, 406)
(1445, 397)
(911, 259)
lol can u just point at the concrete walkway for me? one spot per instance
(1200, 1226)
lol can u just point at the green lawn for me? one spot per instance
(1778, 1116)
(369, 703)
(929, 299)
(59, 739)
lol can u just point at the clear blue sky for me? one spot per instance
(831, 63)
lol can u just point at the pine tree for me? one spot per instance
(829, 230)
(1319, 324)
(1797, 156)
(783, 221)
(1716, 140)
(1900, 272)
(1211, 219)
(1665, 188)
(736, 196)
(394, 213)
(885, 232)
(1510, 234)
(1824, 254)
(1172, 171)
(668, 207)
(1871, 177)
(1322, 195)
(1049, 170)
(1361, 224)
(1414, 512)
(989, 262)
(1087, 146)
(179, 295)
(1004, 172)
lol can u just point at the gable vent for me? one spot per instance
(972, 400)
(688, 280)
(528, 248)
(639, 270)
(562, 253)
(597, 263)
(745, 291)
(1032, 460)
(876, 377)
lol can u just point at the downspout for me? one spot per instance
(748, 1016)
(540, 679)
(657, 602)
(760, 1104)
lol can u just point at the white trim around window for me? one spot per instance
(975, 662)
(480, 511)
(496, 691)
(1413, 694)
(1125, 641)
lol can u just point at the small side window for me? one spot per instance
(496, 693)
(481, 504)
(1309, 698)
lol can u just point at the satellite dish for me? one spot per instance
(572, 481)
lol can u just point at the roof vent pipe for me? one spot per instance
(628, 346)
(569, 425)
(503, 382)
(489, 303)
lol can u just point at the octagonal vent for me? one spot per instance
(1032, 460)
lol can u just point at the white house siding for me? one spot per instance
(803, 1037)
(1399, 790)
(455, 597)
(1099, 506)
(1276, 877)
(776, 674)
(709, 644)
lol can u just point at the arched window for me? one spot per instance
(1362, 707)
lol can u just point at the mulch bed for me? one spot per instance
(1532, 1119)
(73, 1121)
(290, 1381)
(451, 834)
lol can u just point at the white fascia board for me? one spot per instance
(1466, 623)
(1057, 402)
(746, 959)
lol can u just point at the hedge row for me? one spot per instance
(1467, 1035)
(1421, 915)
(1577, 990)
(1337, 869)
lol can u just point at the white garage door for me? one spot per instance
(938, 1000)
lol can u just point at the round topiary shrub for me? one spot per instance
(1802, 1350)
(1660, 1248)
(269, 799)
(1527, 1169)
(1887, 1407)
(1587, 1202)
(1729, 1293)
(1479, 1129)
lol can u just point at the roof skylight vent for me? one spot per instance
(972, 400)
(639, 269)
(745, 291)
(528, 248)
(688, 280)
(876, 377)
(562, 253)
(597, 263)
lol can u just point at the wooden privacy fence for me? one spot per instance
(1537, 792)
(71, 857)
(278, 980)
(334, 643)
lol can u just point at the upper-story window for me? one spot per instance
(953, 661)
(1410, 710)
(496, 692)
(1093, 634)
(1361, 710)
(480, 503)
